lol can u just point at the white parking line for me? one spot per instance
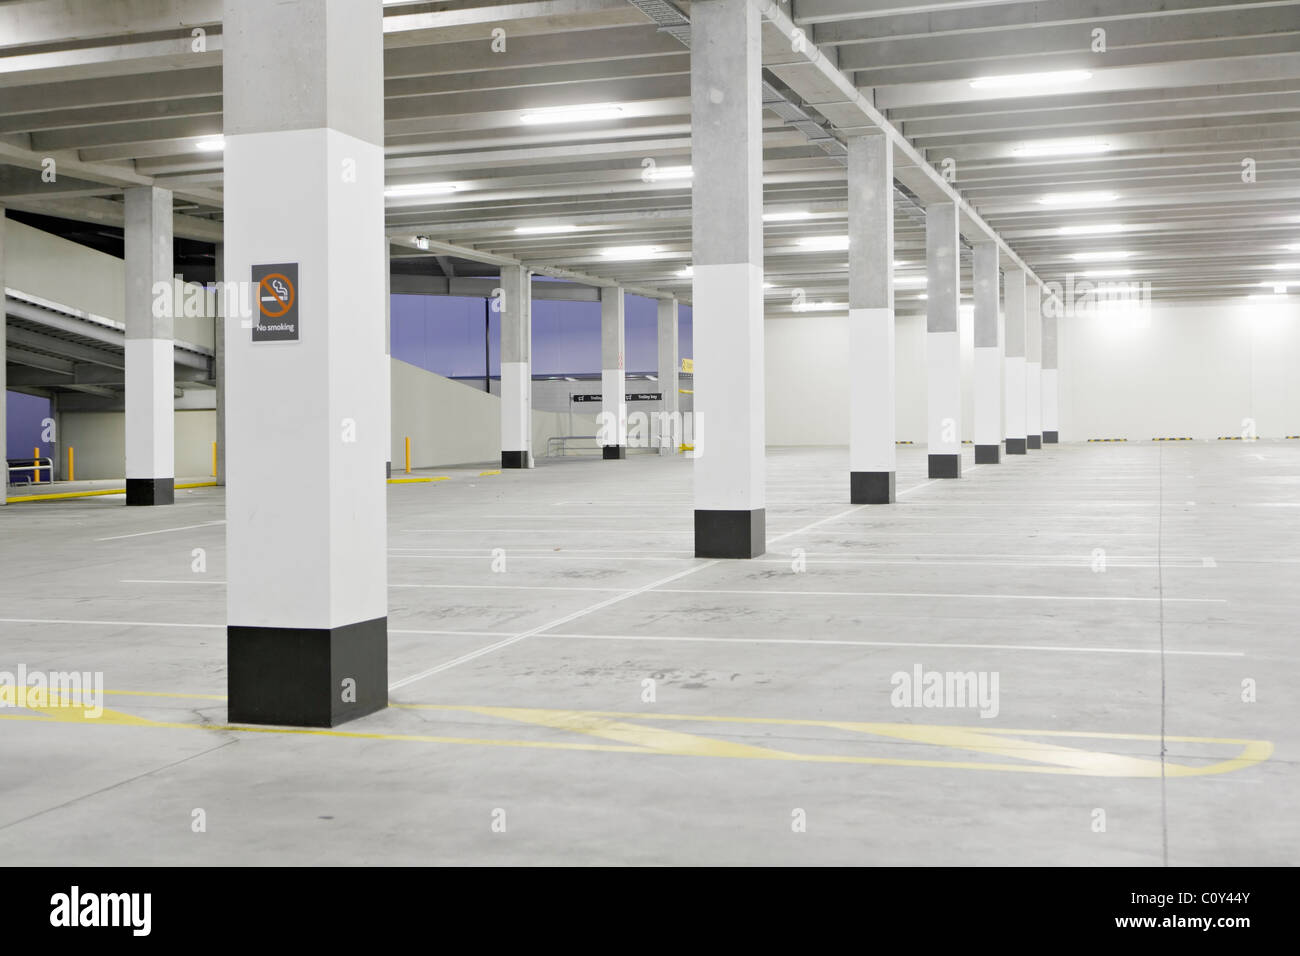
(141, 534)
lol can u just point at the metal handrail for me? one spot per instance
(33, 465)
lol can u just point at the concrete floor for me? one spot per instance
(519, 693)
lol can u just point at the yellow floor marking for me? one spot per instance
(641, 738)
(412, 481)
(485, 474)
(16, 499)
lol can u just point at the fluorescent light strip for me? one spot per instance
(1104, 256)
(630, 252)
(669, 173)
(1060, 148)
(586, 113)
(1030, 83)
(1098, 229)
(421, 189)
(1076, 199)
(542, 230)
(213, 145)
(786, 216)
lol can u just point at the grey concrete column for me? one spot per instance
(219, 362)
(389, 438)
(988, 355)
(668, 367)
(517, 367)
(612, 436)
(1014, 320)
(307, 594)
(1050, 384)
(150, 348)
(4, 383)
(872, 452)
(727, 290)
(943, 340)
(1033, 364)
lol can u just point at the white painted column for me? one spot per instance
(612, 431)
(219, 359)
(150, 348)
(4, 384)
(1014, 320)
(1033, 365)
(669, 365)
(388, 358)
(943, 340)
(306, 412)
(872, 452)
(727, 248)
(516, 367)
(988, 355)
(1050, 385)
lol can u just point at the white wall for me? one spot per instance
(1185, 370)
(100, 443)
(47, 266)
(1195, 370)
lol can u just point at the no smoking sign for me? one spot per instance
(276, 289)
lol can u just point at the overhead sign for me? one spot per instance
(277, 302)
(630, 397)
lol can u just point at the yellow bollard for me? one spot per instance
(214, 459)
(72, 463)
(36, 466)
(408, 454)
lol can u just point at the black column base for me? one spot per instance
(1034, 441)
(871, 487)
(613, 452)
(945, 466)
(730, 534)
(515, 459)
(1015, 446)
(1051, 438)
(295, 676)
(988, 454)
(388, 469)
(150, 491)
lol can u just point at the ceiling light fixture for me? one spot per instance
(541, 230)
(586, 113)
(1103, 256)
(421, 189)
(213, 145)
(786, 216)
(824, 243)
(1030, 82)
(1076, 199)
(1096, 229)
(1060, 148)
(629, 252)
(668, 173)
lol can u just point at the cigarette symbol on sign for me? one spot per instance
(277, 290)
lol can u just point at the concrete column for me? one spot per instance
(4, 382)
(1033, 365)
(219, 361)
(307, 418)
(670, 430)
(1014, 320)
(872, 453)
(612, 435)
(388, 358)
(517, 367)
(727, 246)
(1050, 387)
(150, 348)
(988, 356)
(943, 340)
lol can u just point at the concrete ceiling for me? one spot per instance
(122, 93)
